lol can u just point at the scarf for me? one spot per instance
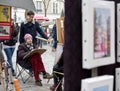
(29, 46)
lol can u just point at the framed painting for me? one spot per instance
(5, 13)
(100, 83)
(98, 33)
(5, 31)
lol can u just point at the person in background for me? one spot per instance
(17, 26)
(9, 47)
(32, 27)
(35, 60)
(18, 29)
(54, 36)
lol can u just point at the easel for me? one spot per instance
(5, 79)
(1, 75)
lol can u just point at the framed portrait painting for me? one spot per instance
(5, 13)
(98, 33)
(99, 83)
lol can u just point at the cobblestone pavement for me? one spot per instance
(48, 60)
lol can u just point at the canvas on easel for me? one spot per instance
(34, 51)
(60, 29)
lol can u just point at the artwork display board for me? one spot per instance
(98, 21)
(118, 32)
(5, 22)
(60, 30)
(100, 83)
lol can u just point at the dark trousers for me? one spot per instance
(58, 68)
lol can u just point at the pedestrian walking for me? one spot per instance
(54, 36)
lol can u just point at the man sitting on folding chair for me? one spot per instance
(58, 75)
(35, 60)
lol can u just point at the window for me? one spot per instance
(39, 6)
(55, 8)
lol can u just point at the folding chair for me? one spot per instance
(59, 80)
(22, 69)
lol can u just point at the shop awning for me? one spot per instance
(25, 4)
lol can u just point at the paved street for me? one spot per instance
(48, 60)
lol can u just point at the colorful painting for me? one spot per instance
(5, 14)
(101, 32)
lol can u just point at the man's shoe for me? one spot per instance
(47, 76)
(38, 83)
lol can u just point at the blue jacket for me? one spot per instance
(31, 28)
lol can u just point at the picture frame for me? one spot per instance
(5, 13)
(118, 32)
(5, 22)
(98, 31)
(5, 31)
(99, 83)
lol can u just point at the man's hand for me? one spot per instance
(50, 40)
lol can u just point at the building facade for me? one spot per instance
(54, 10)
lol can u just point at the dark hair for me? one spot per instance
(30, 13)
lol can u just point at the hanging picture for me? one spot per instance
(98, 33)
(5, 13)
(99, 83)
(5, 22)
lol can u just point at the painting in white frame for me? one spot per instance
(99, 83)
(98, 21)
